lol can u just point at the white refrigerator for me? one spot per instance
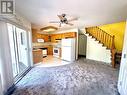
(68, 49)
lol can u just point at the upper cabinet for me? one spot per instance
(69, 35)
(45, 37)
(56, 37)
(36, 36)
(52, 37)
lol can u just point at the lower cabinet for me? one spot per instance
(37, 56)
(50, 50)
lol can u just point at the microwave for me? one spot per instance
(40, 40)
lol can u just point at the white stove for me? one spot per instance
(56, 52)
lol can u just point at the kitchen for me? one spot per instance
(51, 45)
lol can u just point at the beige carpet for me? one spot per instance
(78, 78)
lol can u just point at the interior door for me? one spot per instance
(82, 44)
(22, 48)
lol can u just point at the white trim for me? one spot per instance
(122, 81)
(30, 48)
(1, 90)
(6, 73)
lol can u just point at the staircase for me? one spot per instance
(105, 39)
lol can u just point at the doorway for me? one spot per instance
(82, 43)
(18, 39)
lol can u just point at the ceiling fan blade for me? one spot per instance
(69, 24)
(61, 17)
(72, 19)
(54, 22)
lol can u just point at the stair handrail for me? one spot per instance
(104, 38)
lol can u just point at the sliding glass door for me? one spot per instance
(22, 49)
(18, 39)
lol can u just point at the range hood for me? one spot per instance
(58, 39)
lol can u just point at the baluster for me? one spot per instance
(101, 37)
(113, 52)
(94, 31)
(104, 38)
(107, 40)
(90, 31)
(111, 42)
(97, 33)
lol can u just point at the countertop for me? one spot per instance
(45, 45)
(36, 50)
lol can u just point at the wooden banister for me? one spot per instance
(104, 38)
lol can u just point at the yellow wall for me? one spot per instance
(118, 30)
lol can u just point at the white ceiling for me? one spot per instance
(90, 12)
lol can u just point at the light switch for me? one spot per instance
(124, 56)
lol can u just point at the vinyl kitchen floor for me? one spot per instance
(83, 77)
(51, 61)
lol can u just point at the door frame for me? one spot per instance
(1, 90)
(30, 58)
(29, 51)
(122, 80)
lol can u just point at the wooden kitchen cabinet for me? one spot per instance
(53, 38)
(58, 36)
(62, 36)
(37, 56)
(69, 35)
(50, 50)
(45, 37)
(36, 35)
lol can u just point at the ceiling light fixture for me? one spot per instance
(49, 29)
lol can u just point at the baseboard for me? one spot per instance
(10, 90)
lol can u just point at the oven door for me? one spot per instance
(56, 52)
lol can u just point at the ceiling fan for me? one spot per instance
(64, 20)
